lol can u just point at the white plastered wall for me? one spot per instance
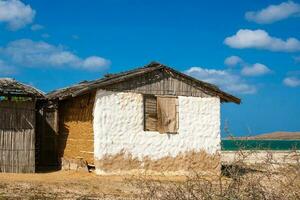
(119, 127)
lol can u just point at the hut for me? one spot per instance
(152, 118)
(17, 126)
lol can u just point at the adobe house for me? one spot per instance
(153, 119)
(18, 126)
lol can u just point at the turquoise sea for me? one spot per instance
(233, 145)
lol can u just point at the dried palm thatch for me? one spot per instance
(11, 87)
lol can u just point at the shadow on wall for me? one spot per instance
(64, 131)
(47, 143)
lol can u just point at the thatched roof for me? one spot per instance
(11, 87)
(109, 79)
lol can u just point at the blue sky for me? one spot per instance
(248, 48)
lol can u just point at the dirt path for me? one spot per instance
(63, 185)
(66, 185)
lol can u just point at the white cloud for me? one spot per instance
(291, 81)
(36, 27)
(16, 14)
(247, 69)
(26, 52)
(225, 79)
(257, 69)
(260, 39)
(274, 13)
(233, 61)
(94, 61)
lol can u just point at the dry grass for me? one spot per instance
(239, 180)
(268, 180)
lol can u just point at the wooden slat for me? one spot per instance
(167, 114)
(150, 113)
(160, 83)
(17, 137)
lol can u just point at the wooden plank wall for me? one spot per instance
(159, 83)
(17, 136)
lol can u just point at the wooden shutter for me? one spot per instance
(150, 113)
(167, 115)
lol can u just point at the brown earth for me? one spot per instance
(181, 164)
(83, 185)
(67, 185)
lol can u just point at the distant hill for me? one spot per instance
(280, 135)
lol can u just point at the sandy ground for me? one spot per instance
(258, 157)
(66, 185)
(83, 185)
(63, 185)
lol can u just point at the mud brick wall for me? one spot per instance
(76, 136)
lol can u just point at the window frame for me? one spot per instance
(146, 129)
